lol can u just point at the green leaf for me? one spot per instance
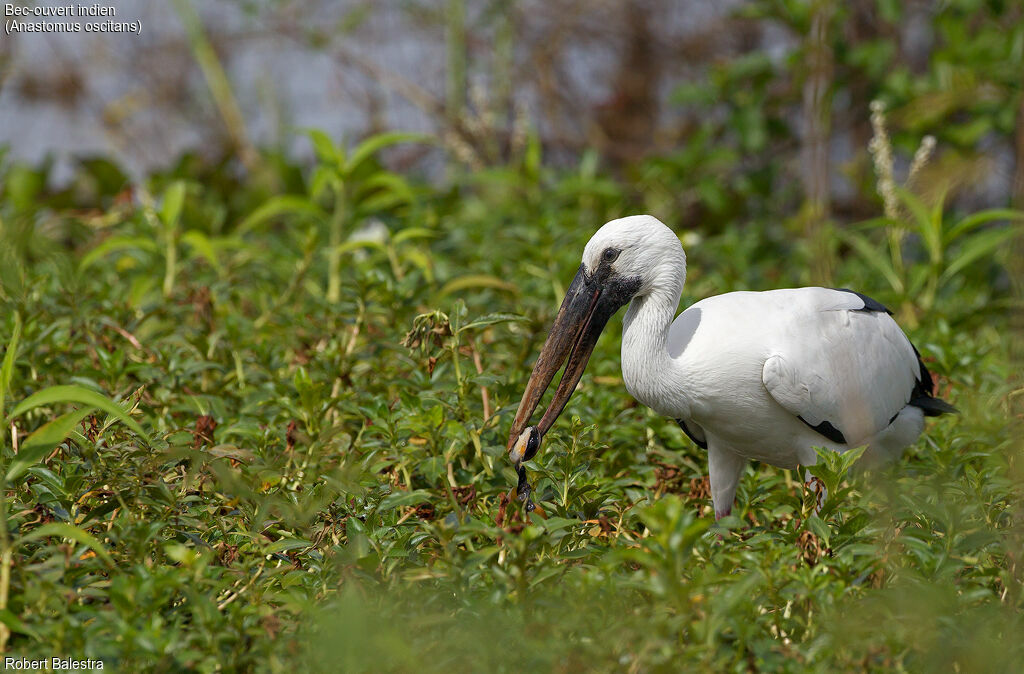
(72, 532)
(286, 544)
(202, 245)
(405, 498)
(7, 370)
(917, 208)
(553, 524)
(975, 220)
(868, 252)
(43, 441)
(849, 457)
(374, 144)
(877, 223)
(282, 205)
(492, 319)
(818, 527)
(394, 185)
(421, 260)
(932, 237)
(117, 243)
(15, 624)
(980, 244)
(549, 572)
(173, 201)
(476, 281)
(350, 246)
(71, 393)
(324, 177)
(918, 276)
(414, 233)
(381, 201)
(325, 149)
(532, 157)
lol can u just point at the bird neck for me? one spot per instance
(648, 370)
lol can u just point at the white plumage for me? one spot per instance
(749, 375)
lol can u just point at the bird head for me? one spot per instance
(626, 258)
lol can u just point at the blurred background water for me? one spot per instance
(630, 79)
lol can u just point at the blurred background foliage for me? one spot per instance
(271, 293)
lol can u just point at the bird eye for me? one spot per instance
(610, 254)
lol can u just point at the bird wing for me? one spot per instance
(841, 364)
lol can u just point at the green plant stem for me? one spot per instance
(5, 559)
(337, 228)
(460, 385)
(896, 235)
(931, 290)
(396, 266)
(570, 465)
(171, 268)
(301, 269)
(452, 501)
(458, 370)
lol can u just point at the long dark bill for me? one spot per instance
(581, 318)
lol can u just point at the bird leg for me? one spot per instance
(725, 469)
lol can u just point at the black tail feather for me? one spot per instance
(932, 407)
(923, 395)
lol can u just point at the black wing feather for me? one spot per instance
(700, 443)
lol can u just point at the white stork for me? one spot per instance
(766, 375)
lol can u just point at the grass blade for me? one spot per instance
(43, 441)
(493, 319)
(325, 149)
(975, 220)
(71, 393)
(413, 233)
(285, 204)
(173, 202)
(72, 532)
(15, 624)
(7, 370)
(374, 144)
(202, 245)
(476, 281)
(979, 246)
(928, 225)
(116, 243)
(875, 259)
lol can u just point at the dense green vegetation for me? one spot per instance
(255, 419)
(288, 478)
